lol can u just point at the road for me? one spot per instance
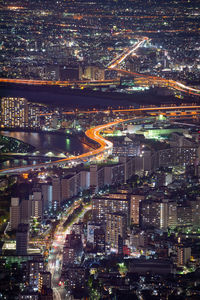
(159, 109)
(119, 59)
(94, 134)
(159, 81)
(56, 256)
(114, 65)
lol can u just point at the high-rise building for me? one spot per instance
(76, 277)
(14, 213)
(150, 213)
(69, 186)
(116, 224)
(25, 210)
(99, 240)
(154, 213)
(126, 148)
(90, 231)
(96, 176)
(183, 255)
(68, 255)
(172, 214)
(14, 112)
(114, 174)
(72, 250)
(177, 156)
(37, 204)
(128, 167)
(56, 196)
(47, 196)
(33, 115)
(92, 73)
(164, 211)
(103, 205)
(143, 163)
(184, 215)
(195, 207)
(77, 228)
(135, 208)
(34, 268)
(22, 239)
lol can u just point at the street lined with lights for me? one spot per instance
(114, 65)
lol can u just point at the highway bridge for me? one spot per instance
(105, 146)
(142, 79)
(173, 109)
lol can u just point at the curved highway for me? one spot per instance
(156, 80)
(93, 133)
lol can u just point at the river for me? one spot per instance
(45, 142)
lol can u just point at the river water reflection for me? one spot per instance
(45, 142)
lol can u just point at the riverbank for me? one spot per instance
(86, 98)
(10, 144)
(46, 141)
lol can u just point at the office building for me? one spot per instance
(25, 210)
(75, 277)
(14, 213)
(47, 196)
(68, 256)
(22, 239)
(56, 193)
(77, 228)
(69, 72)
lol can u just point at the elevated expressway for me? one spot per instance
(93, 133)
(141, 79)
(167, 110)
(105, 146)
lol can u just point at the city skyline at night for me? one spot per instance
(99, 149)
